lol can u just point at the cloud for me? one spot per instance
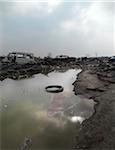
(95, 23)
(92, 16)
(73, 28)
(114, 28)
(29, 7)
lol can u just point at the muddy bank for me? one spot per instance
(18, 71)
(97, 81)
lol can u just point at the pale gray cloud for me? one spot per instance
(75, 28)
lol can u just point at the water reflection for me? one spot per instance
(51, 120)
(76, 119)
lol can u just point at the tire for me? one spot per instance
(51, 90)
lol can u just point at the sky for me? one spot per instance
(74, 28)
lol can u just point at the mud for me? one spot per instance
(97, 81)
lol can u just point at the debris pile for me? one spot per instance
(24, 68)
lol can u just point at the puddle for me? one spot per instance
(39, 120)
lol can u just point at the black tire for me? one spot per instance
(51, 90)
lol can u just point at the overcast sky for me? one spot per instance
(75, 28)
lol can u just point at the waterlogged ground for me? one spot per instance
(32, 118)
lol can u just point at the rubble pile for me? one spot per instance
(16, 71)
(96, 81)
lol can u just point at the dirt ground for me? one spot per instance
(96, 81)
(97, 132)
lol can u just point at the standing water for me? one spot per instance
(33, 118)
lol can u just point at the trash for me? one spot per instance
(112, 58)
(26, 144)
(54, 88)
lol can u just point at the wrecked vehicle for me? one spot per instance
(19, 58)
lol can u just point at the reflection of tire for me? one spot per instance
(57, 88)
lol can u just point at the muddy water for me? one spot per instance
(32, 118)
